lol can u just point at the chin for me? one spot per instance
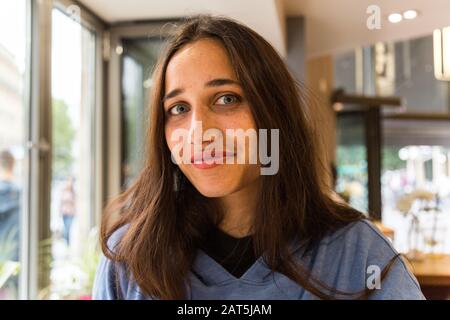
(213, 189)
(217, 182)
(214, 185)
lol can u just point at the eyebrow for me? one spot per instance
(212, 83)
(220, 82)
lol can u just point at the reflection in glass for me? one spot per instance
(402, 68)
(352, 175)
(139, 59)
(407, 71)
(345, 71)
(13, 113)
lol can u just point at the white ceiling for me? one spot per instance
(264, 16)
(331, 25)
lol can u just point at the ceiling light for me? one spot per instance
(395, 17)
(410, 14)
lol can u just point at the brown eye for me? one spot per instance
(227, 99)
(178, 109)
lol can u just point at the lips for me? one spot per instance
(212, 159)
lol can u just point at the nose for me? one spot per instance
(201, 120)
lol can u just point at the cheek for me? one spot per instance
(245, 121)
(172, 133)
(168, 133)
(241, 120)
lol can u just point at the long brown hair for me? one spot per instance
(168, 218)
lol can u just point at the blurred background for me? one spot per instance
(74, 83)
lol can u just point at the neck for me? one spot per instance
(239, 210)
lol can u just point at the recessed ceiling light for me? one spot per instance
(410, 14)
(395, 17)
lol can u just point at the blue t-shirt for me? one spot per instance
(349, 260)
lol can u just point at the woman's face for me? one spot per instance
(202, 91)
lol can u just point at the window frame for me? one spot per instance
(35, 223)
(116, 34)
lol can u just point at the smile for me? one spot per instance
(210, 160)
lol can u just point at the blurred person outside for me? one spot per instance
(68, 207)
(9, 206)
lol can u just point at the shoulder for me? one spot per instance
(115, 238)
(364, 241)
(110, 280)
(359, 250)
(358, 235)
(361, 236)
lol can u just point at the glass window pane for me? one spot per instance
(354, 71)
(345, 71)
(70, 250)
(351, 166)
(405, 69)
(13, 112)
(139, 58)
(416, 184)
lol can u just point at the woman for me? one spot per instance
(67, 207)
(203, 229)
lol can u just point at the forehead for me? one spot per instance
(198, 62)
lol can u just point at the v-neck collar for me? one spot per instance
(236, 255)
(213, 273)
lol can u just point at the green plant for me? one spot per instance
(89, 260)
(7, 270)
(8, 249)
(63, 138)
(78, 271)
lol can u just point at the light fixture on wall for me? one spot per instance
(441, 49)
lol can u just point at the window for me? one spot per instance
(345, 71)
(45, 246)
(405, 69)
(351, 166)
(415, 149)
(416, 183)
(13, 134)
(70, 254)
(138, 60)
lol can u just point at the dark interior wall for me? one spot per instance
(295, 29)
